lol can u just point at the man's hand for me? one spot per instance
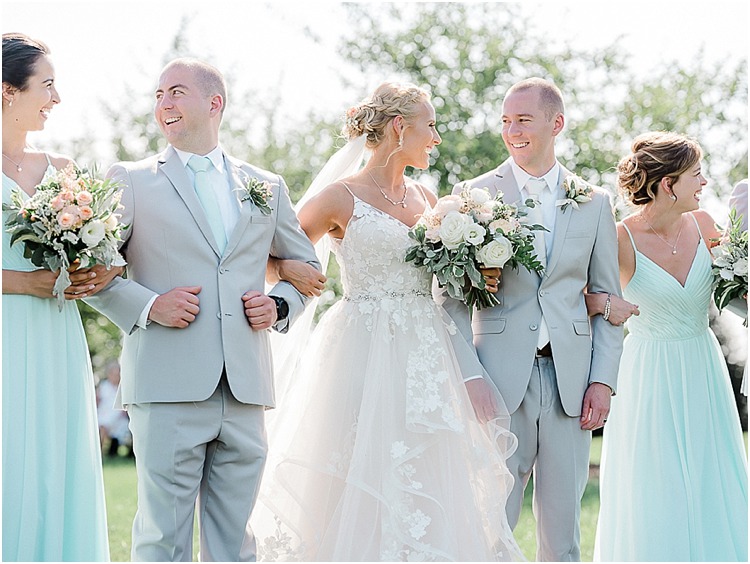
(176, 308)
(491, 278)
(482, 399)
(596, 402)
(259, 309)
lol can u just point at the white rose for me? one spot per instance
(452, 229)
(92, 233)
(111, 222)
(474, 233)
(495, 253)
(479, 195)
(448, 204)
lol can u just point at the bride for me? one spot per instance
(389, 445)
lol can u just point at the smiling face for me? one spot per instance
(31, 106)
(528, 133)
(688, 188)
(420, 136)
(188, 117)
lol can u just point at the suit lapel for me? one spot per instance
(171, 165)
(505, 182)
(562, 221)
(239, 179)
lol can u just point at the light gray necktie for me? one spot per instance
(535, 186)
(207, 197)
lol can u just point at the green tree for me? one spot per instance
(469, 54)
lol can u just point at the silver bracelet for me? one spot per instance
(607, 307)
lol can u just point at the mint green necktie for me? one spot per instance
(207, 197)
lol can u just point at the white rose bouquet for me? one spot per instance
(465, 232)
(730, 264)
(71, 217)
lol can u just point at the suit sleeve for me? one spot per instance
(290, 242)
(123, 300)
(604, 276)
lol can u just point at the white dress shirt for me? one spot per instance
(549, 211)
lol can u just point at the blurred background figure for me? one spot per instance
(113, 423)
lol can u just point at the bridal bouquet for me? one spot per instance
(465, 232)
(70, 218)
(730, 264)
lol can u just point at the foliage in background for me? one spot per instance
(467, 54)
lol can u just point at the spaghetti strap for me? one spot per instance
(698, 227)
(632, 241)
(349, 190)
(49, 162)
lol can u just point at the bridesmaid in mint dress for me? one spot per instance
(673, 482)
(53, 493)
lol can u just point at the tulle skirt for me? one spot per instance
(375, 452)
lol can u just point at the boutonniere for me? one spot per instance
(258, 192)
(576, 192)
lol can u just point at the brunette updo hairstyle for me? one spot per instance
(20, 55)
(373, 114)
(655, 155)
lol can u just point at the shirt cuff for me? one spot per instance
(143, 320)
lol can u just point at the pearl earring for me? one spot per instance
(10, 103)
(673, 197)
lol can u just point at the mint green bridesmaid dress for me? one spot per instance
(53, 492)
(673, 482)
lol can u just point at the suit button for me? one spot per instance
(541, 293)
(222, 271)
(533, 327)
(218, 315)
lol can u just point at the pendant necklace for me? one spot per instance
(401, 202)
(674, 247)
(18, 164)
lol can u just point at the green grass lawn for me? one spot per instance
(120, 485)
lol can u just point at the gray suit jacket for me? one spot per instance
(169, 243)
(583, 255)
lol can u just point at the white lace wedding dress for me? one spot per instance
(375, 452)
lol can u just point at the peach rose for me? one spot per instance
(66, 220)
(85, 212)
(84, 198)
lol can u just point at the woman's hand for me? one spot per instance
(88, 281)
(491, 278)
(308, 280)
(619, 310)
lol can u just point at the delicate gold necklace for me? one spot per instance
(18, 164)
(401, 202)
(674, 247)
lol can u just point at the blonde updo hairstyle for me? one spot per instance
(655, 155)
(372, 116)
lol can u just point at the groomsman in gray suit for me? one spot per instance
(196, 364)
(555, 367)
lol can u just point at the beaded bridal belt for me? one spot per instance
(383, 295)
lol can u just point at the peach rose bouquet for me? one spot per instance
(69, 222)
(465, 232)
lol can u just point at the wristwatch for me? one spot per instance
(282, 308)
